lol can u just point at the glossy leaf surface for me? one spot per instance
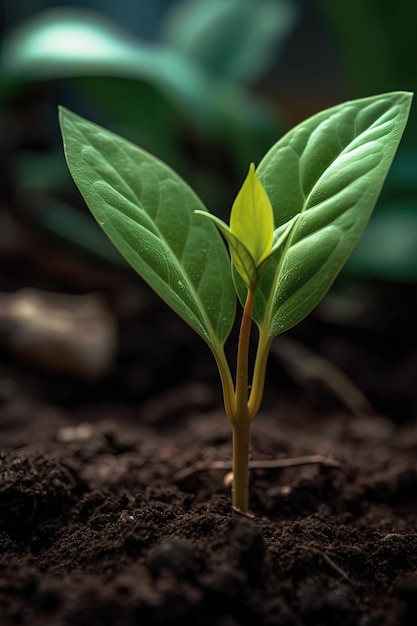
(148, 213)
(330, 170)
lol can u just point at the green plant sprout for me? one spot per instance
(293, 225)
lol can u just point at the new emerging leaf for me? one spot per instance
(251, 236)
(252, 218)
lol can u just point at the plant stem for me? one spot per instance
(242, 383)
(241, 419)
(258, 381)
(239, 408)
(240, 493)
(227, 383)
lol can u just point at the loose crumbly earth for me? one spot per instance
(113, 512)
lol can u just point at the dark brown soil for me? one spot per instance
(112, 509)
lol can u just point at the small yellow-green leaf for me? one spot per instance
(252, 218)
(281, 235)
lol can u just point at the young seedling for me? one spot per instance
(293, 224)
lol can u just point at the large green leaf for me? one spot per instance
(330, 169)
(148, 213)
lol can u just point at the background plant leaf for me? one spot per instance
(234, 40)
(148, 213)
(74, 42)
(165, 100)
(330, 169)
(388, 249)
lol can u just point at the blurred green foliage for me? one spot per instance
(377, 42)
(193, 80)
(187, 96)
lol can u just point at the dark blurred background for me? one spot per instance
(208, 86)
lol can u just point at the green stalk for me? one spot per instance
(258, 381)
(242, 381)
(227, 383)
(240, 493)
(239, 408)
(241, 419)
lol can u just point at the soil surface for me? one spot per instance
(115, 493)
